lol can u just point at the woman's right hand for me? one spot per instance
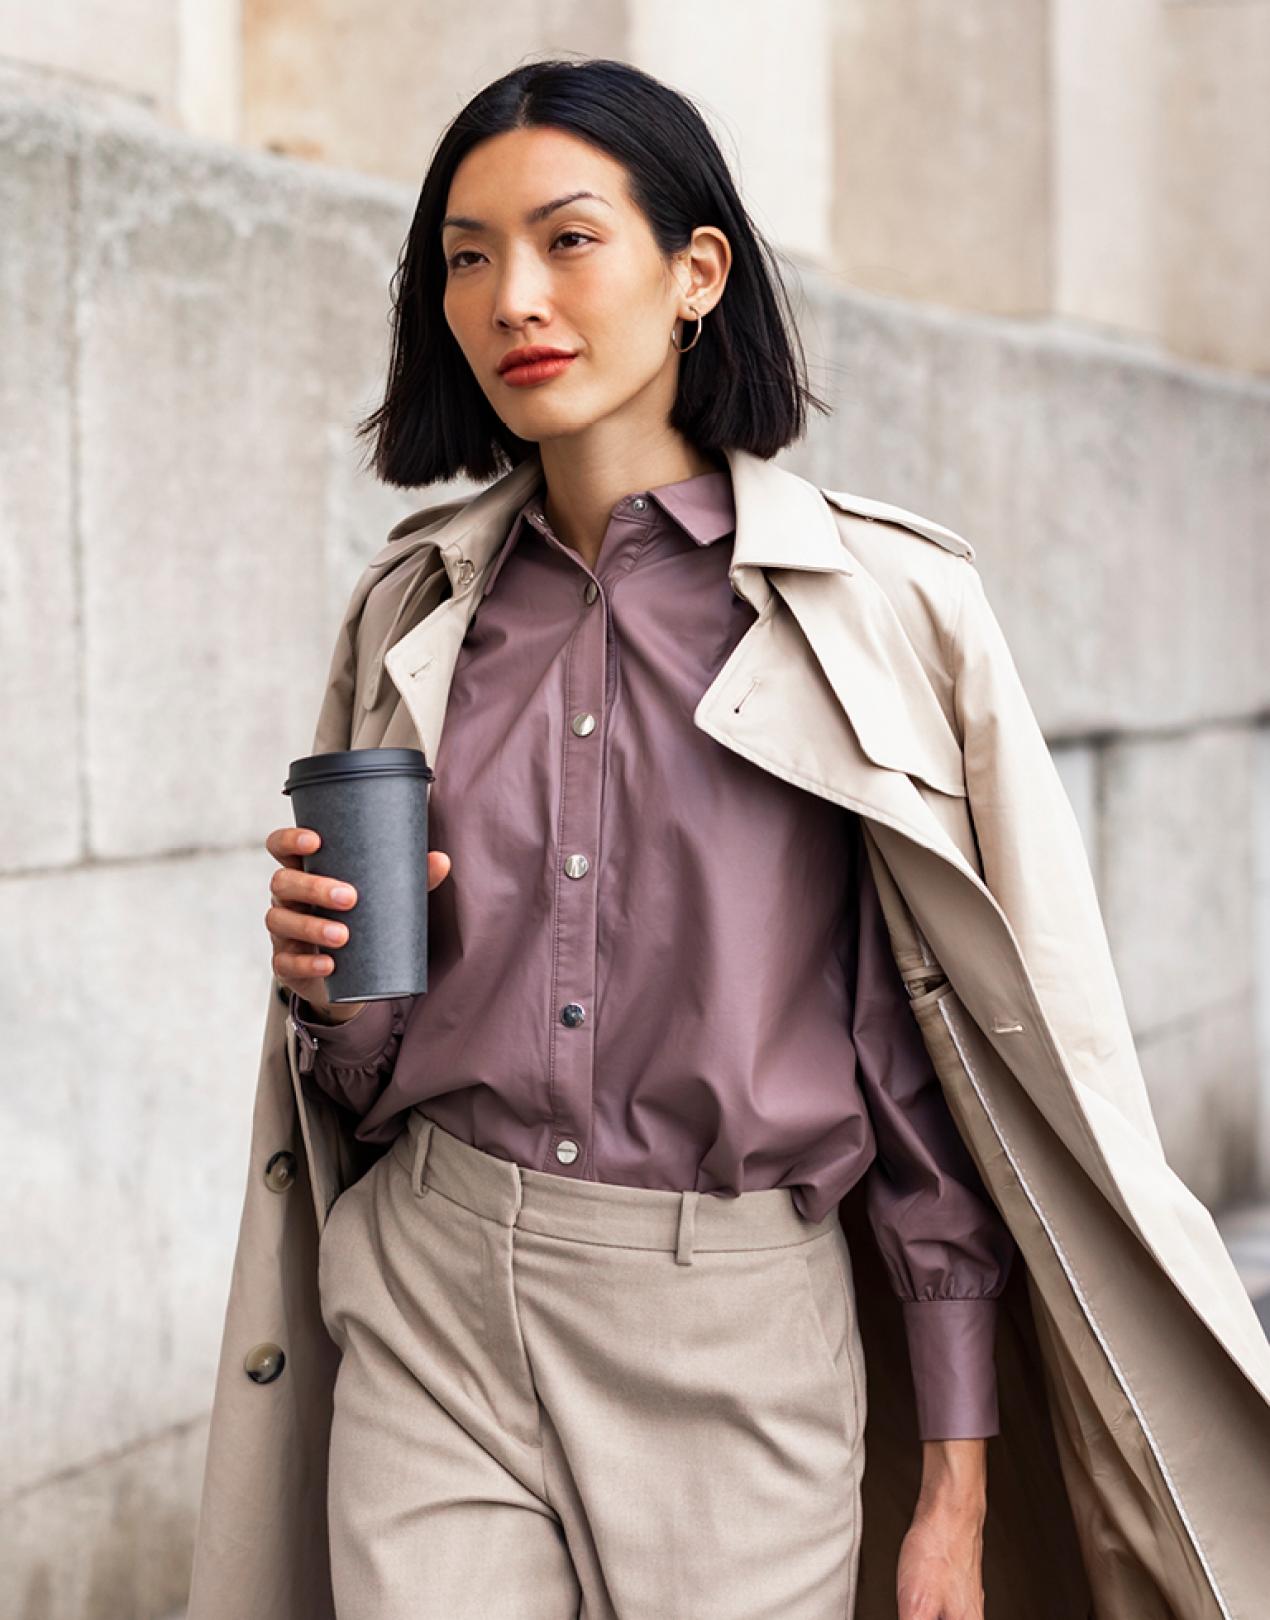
(300, 938)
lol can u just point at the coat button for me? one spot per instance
(592, 590)
(466, 571)
(263, 1362)
(572, 1014)
(280, 1171)
(638, 504)
(583, 725)
(576, 866)
(566, 1151)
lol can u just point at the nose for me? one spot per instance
(520, 293)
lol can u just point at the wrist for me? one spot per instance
(340, 1013)
(954, 1478)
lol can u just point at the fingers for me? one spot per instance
(289, 845)
(286, 925)
(292, 886)
(301, 970)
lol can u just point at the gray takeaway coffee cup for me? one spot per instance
(369, 806)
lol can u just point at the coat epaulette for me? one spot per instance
(408, 527)
(865, 506)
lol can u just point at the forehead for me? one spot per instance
(511, 180)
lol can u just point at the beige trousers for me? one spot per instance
(562, 1398)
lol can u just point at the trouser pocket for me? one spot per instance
(824, 1266)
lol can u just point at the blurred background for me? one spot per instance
(1029, 246)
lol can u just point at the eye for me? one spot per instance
(453, 260)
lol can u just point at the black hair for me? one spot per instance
(741, 386)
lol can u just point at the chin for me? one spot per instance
(544, 424)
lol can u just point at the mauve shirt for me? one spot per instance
(654, 962)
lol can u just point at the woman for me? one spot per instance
(599, 1334)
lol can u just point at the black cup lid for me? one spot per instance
(348, 764)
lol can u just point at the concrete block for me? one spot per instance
(1105, 138)
(1117, 503)
(319, 84)
(41, 790)
(1202, 1078)
(942, 151)
(232, 330)
(124, 1137)
(1078, 766)
(132, 46)
(1176, 867)
(111, 1541)
(776, 128)
(1214, 180)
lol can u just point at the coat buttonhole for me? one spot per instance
(745, 696)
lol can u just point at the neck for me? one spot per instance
(582, 489)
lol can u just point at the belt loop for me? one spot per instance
(417, 1183)
(687, 1225)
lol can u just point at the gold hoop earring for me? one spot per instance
(696, 335)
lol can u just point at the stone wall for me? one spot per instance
(189, 333)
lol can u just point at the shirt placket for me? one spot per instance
(588, 691)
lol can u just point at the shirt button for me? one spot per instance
(576, 866)
(583, 725)
(592, 590)
(566, 1151)
(638, 504)
(572, 1014)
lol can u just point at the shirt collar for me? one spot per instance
(701, 506)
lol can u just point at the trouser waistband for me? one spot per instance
(597, 1211)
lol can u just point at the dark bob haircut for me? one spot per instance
(740, 387)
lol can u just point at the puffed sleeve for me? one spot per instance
(946, 1249)
(352, 1061)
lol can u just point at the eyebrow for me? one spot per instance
(466, 223)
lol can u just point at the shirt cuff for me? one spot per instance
(354, 1042)
(951, 1347)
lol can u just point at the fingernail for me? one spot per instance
(340, 893)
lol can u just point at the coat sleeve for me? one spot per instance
(946, 1250)
(1035, 864)
(352, 1061)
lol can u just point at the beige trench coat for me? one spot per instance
(1131, 1476)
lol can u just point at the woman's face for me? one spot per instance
(586, 278)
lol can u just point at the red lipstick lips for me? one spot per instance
(533, 364)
